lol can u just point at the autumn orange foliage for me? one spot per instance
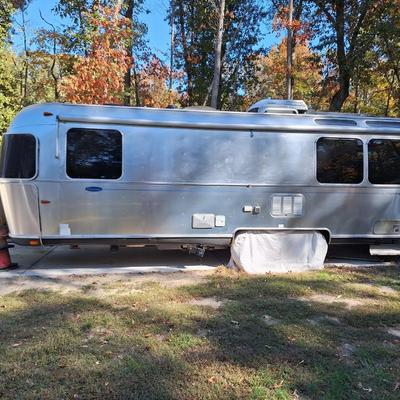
(270, 75)
(153, 88)
(301, 30)
(98, 78)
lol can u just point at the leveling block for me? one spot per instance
(5, 259)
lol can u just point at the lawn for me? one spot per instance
(322, 335)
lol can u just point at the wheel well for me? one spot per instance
(326, 234)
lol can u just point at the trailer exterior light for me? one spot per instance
(34, 243)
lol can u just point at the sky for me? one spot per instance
(158, 28)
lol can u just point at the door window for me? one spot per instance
(94, 153)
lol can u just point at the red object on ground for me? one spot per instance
(5, 259)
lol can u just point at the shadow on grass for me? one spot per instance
(156, 346)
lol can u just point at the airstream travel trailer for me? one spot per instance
(121, 175)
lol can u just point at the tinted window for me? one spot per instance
(18, 156)
(384, 161)
(339, 160)
(94, 153)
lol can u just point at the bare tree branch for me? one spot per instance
(53, 64)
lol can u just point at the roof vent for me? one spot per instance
(273, 106)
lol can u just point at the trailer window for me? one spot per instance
(384, 161)
(339, 160)
(94, 153)
(18, 156)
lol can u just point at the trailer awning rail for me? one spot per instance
(319, 125)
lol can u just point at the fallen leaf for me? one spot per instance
(16, 344)
(366, 389)
(278, 385)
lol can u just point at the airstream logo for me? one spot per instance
(94, 189)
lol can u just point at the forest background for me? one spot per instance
(225, 53)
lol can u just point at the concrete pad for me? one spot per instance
(211, 302)
(345, 263)
(352, 256)
(47, 262)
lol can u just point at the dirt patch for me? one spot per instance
(98, 332)
(387, 290)
(346, 350)
(270, 321)
(394, 331)
(212, 302)
(370, 288)
(323, 319)
(177, 279)
(349, 303)
(92, 283)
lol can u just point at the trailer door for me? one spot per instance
(85, 201)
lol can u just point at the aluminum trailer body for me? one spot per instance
(123, 175)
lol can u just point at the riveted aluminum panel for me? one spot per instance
(20, 203)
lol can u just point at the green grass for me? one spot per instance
(130, 340)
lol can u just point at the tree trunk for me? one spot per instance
(289, 53)
(54, 62)
(217, 55)
(181, 16)
(342, 60)
(137, 83)
(341, 95)
(356, 100)
(26, 63)
(298, 10)
(129, 53)
(387, 104)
